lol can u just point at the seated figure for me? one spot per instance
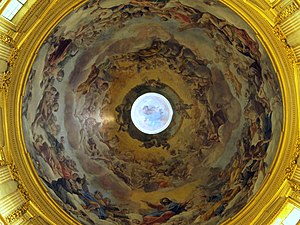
(164, 211)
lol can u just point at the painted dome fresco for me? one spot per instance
(152, 112)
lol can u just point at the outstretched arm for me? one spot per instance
(153, 206)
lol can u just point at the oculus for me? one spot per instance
(151, 113)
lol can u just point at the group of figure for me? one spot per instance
(92, 95)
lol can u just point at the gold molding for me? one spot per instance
(6, 39)
(16, 177)
(275, 184)
(282, 37)
(13, 57)
(28, 42)
(289, 171)
(2, 157)
(5, 77)
(17, 213)
(5, 80)
(295, 187)
(23, 191)
(287, 11)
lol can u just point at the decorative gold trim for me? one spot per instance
(16, 177)
(23, 192)
(275, 185)
(2, 157)
(13, 57)
(6, 39)
(287, 11)
(5, 80)
(17, 213)
(31, 40)
(281, 36)
(5, 77)
(289, 171)
(14, 172)
(28, 41)
(295, 187)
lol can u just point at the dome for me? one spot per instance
(217, 97)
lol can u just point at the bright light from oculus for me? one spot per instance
(151, 113)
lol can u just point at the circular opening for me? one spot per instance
(151, 113)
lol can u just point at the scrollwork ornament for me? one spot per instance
(13, 57)
(14, 173)
(6, 39)
(18, 213)
(291, 54)
(290, 170)
(5, 79)
(16, 177)
(287, 11)
(2, 162)
(281, 36)
(2, 157)
(279, 33)
(295, 187)
(23, 192)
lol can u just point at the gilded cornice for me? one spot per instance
(30, 37)
(283, 16)
(275, 11)
(283, 60)
(17, 213)
(287, 11)
(5, 77)
(16, 177)
(6, 39)
(287, 27)
(282, 37)
(2, 157)
(295, 187)
(20, 211)
(5, 80)
(278, 202)
(293, 173)
(295, 195)
(13, 57)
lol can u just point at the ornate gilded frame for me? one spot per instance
(32, 31)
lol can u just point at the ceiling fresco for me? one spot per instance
(205, 60)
